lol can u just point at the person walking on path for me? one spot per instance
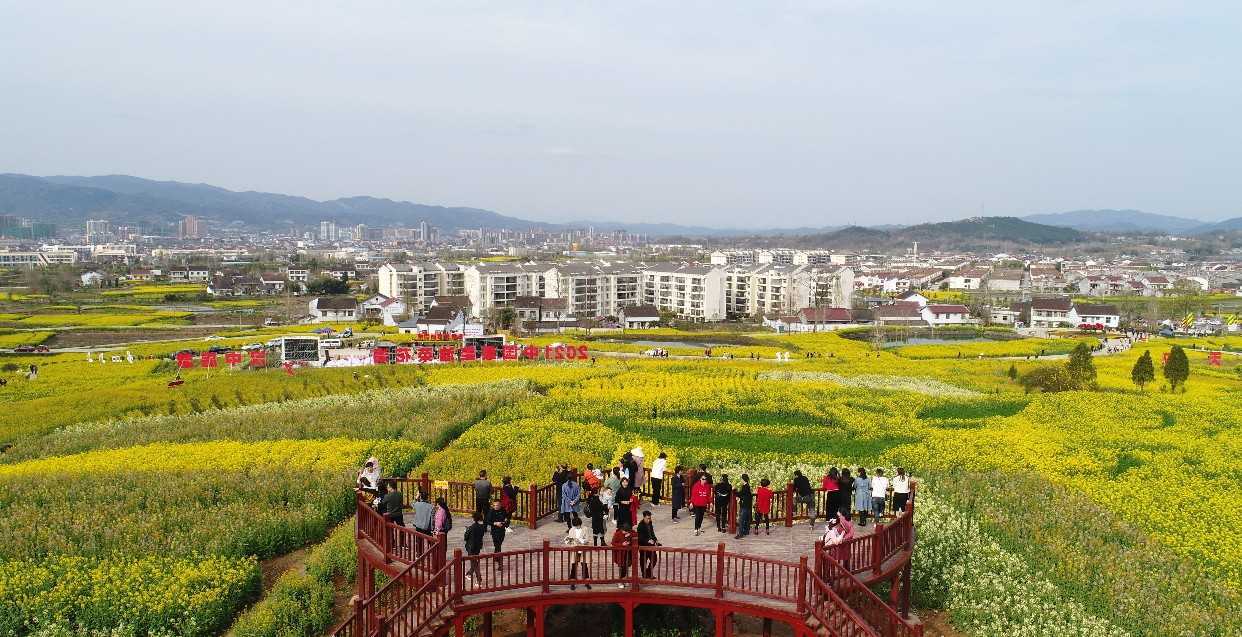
(763, 506)
(577, 537)
(744, 500)
(474, 543)
(482, 493)
(598, 512)
(679, 491)
(879, 490)
(637, 470)
(571, 498)
(700, 499)
(901, 490)
(862, 495)
(722, 491)
(497, 522)
(647, 537)
(657, 477)
(424, 513)
(804, 495)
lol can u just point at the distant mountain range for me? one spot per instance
(1131, 221)
(69, 200)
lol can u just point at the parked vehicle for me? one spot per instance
(31, 349)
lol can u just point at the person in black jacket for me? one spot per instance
(722, 490)
(558, 478)
(804, 494)
(390, 505)
(744, 500)
(474, 543)
(621, 502)
(679, 491)
(647, 537)
(497, 522)
(598, 513)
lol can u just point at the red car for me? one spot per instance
(31, 349)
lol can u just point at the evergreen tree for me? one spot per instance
(1177, 369)
(1013, 371)
(1080, 366)
(1143, 372)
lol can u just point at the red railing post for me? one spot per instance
(532, 507)
(547, 565)
(385, 539)
(877, 548)
(358, 505)
(635, 564)
(360, 625)
(732, 511)
(425, 485)
(802, 585)
(459, 578)
(720, 569)
(789, 504)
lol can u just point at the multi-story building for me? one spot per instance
(764, 290)
(188, 228)
(98, 230)
(694, 293)
(419, 284)
(327, 231)
(496, 285)
(594, 289)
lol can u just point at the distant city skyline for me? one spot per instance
(730, 115)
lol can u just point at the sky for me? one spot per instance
(725, 114)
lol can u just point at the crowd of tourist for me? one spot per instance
(599, 498)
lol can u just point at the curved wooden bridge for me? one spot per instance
(783, 577)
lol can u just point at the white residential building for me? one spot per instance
(694, 293)
(420, 283)
(495, 285)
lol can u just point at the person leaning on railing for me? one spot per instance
(424, 513)
(647, 537)
(389, 503)
(482, 492)
(804, 495)
(879, 489)
(901, 490)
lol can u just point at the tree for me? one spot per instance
(328, 285)
(1143, 372)
(1013, 371)
(1177, 368)
(1047, 378)
(1080, 366)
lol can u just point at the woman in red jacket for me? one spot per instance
(700, 499)
(763, 506)
(621, 556)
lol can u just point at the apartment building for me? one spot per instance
(495, 285)
(765, 290)
(694, 293)
(595, 289)
(420, 283)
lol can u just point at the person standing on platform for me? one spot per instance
(571, 496)
(508, 495)
(611, 486)
(637, 470)
(473, 541)
(577, 537)
(845, 491)
(901, 490)
(879, 490)
(831, 499)
(763, 505)
(598, 512)
(424, 513)
(862, 495)
(647, 537)
(622, 501)
(390, 504)
(657, 478)
(558, 479)
(442, 522)
(722, 491)
(621, 539)
(497, 522)
(482, 493)
(700, 499)
(744, 500)
(679, 491)
(804, 495)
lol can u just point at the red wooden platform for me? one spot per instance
(788, 578)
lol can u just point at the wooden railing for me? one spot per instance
(460, 497)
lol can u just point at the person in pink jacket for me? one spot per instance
(700, 499)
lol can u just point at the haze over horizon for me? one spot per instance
(723, 114)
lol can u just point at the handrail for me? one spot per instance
(830, 591)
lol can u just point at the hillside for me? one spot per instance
(966, 234)
(1120, 221)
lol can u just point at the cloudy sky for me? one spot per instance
(715, 113)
